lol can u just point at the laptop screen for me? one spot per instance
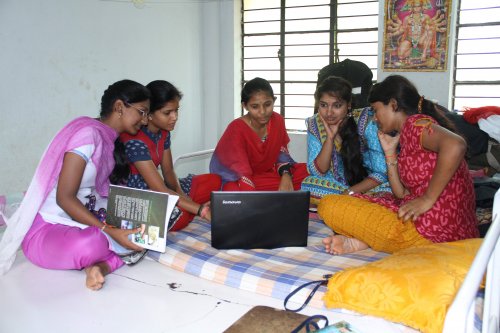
(260, 219)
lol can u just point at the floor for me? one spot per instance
(148, 297)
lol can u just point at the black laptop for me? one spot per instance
(259, 220)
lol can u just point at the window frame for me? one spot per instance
(456, 84)
(334, 53)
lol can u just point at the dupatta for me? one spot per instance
(81, 131)
(241, 152)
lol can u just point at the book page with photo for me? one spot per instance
(340, 327)
(130, 208)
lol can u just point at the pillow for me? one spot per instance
(414, 286)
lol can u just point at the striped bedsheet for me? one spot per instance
(272, 273)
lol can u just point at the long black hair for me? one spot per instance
(406, 95)
(350, 151)
(129, 92)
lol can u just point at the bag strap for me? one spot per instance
(316, 284)
(311, 321)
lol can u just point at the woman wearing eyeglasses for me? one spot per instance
(151, 148)
(53, 224)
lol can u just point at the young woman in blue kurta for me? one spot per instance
(344, 152)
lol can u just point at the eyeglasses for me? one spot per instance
(144, 114)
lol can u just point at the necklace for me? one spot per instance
(416, 28)
(261, 132)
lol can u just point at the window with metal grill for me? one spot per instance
(288, 41)
(476, 80)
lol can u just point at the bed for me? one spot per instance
(275, 273)
(272, 273)
(460, 317)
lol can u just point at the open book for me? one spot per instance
(130, 208)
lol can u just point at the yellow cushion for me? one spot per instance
(414, 286)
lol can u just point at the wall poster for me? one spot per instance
(416, 35)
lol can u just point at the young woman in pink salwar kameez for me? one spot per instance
(56, 228)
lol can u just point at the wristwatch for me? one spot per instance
(284, 169)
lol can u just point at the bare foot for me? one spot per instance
(339, 244)
(95, 277)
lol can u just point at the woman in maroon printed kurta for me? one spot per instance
(453, 215)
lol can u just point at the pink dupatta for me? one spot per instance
(79, 132)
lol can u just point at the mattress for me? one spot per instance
(273, 273)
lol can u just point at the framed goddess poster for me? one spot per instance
(416, 35)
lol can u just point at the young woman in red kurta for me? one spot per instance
(252, 153)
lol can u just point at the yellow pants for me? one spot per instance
(376, 225)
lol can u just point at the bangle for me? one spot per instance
(199, 210)
(389, 156)
(392, 163)
(103, 226)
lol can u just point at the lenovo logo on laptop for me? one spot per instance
(231, 202)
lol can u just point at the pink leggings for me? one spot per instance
(58, 246)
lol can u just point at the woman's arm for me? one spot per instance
(451, 149)
(169, 175)
(286, 183)
(373, 160)
(313, 148)
(155, 182)
(389, 145)
(324, 158)
(147, 169)
(364, 186)
(68, 185)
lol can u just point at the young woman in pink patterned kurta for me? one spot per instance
(429, 177)
(453, 215)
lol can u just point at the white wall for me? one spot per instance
(59, 56)
(434, 85)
